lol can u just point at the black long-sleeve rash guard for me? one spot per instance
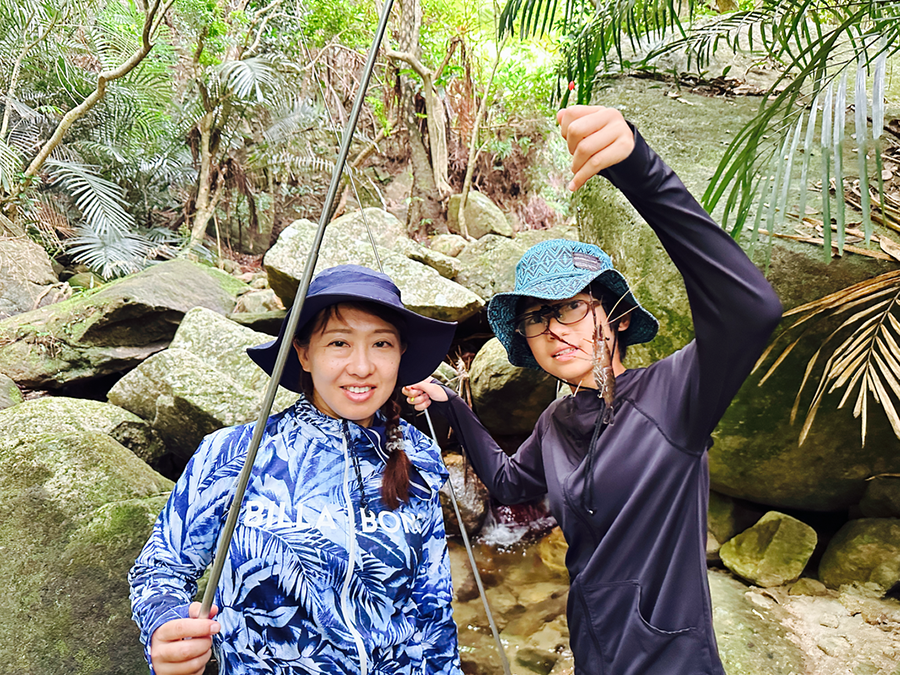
(639, 600)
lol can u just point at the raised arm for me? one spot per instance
(733, 307)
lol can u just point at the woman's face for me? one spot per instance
(353, 361)
(566, 350)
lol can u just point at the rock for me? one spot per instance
(721, 521)
(27, 279)
(445, 265)
(488, 266)
(482, 216)
(258, 302)
(772, 552)
(422, 289)
(9, 393)
(807, 586)
(507, 399)
(268, 323)
(448, 244)
(529, 238)
(863, 551)
(755, 455)
(59, 415)
(76, 508)
(203, 382)
(111, 330)
(472, 497)
(882, 497)
(752, 639)
(86, 280)
(552, 549)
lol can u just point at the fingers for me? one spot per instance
(422, 394)
(183, 646)
(597, 138)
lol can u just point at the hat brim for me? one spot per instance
(643, 325)
(427, 340)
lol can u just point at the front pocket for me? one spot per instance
(627, 643)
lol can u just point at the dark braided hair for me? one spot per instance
(395, 480)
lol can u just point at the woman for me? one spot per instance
(623, 459)
(338, 563)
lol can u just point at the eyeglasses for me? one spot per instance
(533, 324)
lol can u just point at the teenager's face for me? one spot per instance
(566, 350)
(353, 361)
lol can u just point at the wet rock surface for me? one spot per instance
(774, 631)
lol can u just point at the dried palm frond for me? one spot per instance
(866, 361)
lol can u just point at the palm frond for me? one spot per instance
(250, 79)
(112, 253)
(10, 166)
(101, 202)
(865, 362)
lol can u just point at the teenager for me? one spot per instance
(338, 563)
(623, 459)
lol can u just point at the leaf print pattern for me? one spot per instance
(280, 591)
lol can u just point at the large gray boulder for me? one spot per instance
(111, 330)
(772, 552)
(422, 288)
(76, 507)
(27, 280)
(756, 454)
(865, 551)
(62, 415)
(204, 381)
(507, 399)
(488, 265)
(482, 216)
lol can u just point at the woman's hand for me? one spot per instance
(422, 394)
(598, 138)
(183, 646)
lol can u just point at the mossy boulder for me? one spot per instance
(756, 454)
(204, 381)
(507, 399)
(75, 509)
(488, 265)
(346, 241)
(482, 216)
(9, 393)
(110, 330)
(882, 497)
(62, 415)
(865, 551)
(772, 552)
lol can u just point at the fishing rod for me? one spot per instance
(292, 320)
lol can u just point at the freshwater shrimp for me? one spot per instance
(604, 377)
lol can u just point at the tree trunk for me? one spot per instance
(207, 194)
(426, 214)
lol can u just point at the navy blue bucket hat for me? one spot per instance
(555, 270)
(427, 340)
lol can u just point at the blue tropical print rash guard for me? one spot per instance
(297, 594)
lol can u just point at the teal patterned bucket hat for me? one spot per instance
(555, 270)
